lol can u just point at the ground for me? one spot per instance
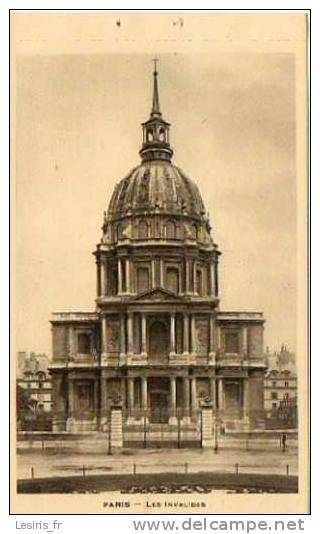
(262, 458)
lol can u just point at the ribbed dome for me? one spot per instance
(156, 186)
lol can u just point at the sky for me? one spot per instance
(78, 133)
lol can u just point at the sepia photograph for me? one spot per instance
(159, 324)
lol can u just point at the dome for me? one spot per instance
(156, 186)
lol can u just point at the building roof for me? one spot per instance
(156, 186)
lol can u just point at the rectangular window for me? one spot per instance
(232, 342)
(84, 344)
(274, 395)
(143, 279)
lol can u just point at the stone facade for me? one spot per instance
(157, 342)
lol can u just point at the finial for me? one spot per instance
(155, 104)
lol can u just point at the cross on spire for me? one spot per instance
(155, 61)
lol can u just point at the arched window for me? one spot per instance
(149, 136)
(172, 279)
(143, 283)
(162, 134)
(170, 230)
(143, 230)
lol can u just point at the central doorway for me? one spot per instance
(159, 398)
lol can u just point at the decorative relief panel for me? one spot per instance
(113, 333)
(202, 334)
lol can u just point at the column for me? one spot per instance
(172, 333)
(213, 393)
(123, 391)
(161, 273)
(153, 273)
(104, 335)
(131, 395)
(193, 334)
(103, 399)
(144, 394)
(173, 400)
(98, 285)
(96, 404)
(246, 407)
(245, 341)
(122, 334)
(185, 334)
(103, 285)
(216, 280)
(130, 332)
(220, 394)
(128, 277)
(119, 277)
(188, 276)
(71, 343)
(218, 334)
(194, 276)
(212, 354)
(212, 284)
(143, 334)
(186, 392)
(70, 398)
(193, 394)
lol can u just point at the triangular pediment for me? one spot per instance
(158, 293)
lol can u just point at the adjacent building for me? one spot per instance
(34, 378)
(157, 342)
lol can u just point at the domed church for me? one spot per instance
(157, 344)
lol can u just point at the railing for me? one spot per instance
(143, 468)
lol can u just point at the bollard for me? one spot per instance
(32, 472)
(186, 467)
(134, 469)
(287, 469)
(83, 471)
(237, 469)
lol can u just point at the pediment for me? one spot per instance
(158, 294)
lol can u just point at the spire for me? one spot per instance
(155, 145)
(155, 103)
